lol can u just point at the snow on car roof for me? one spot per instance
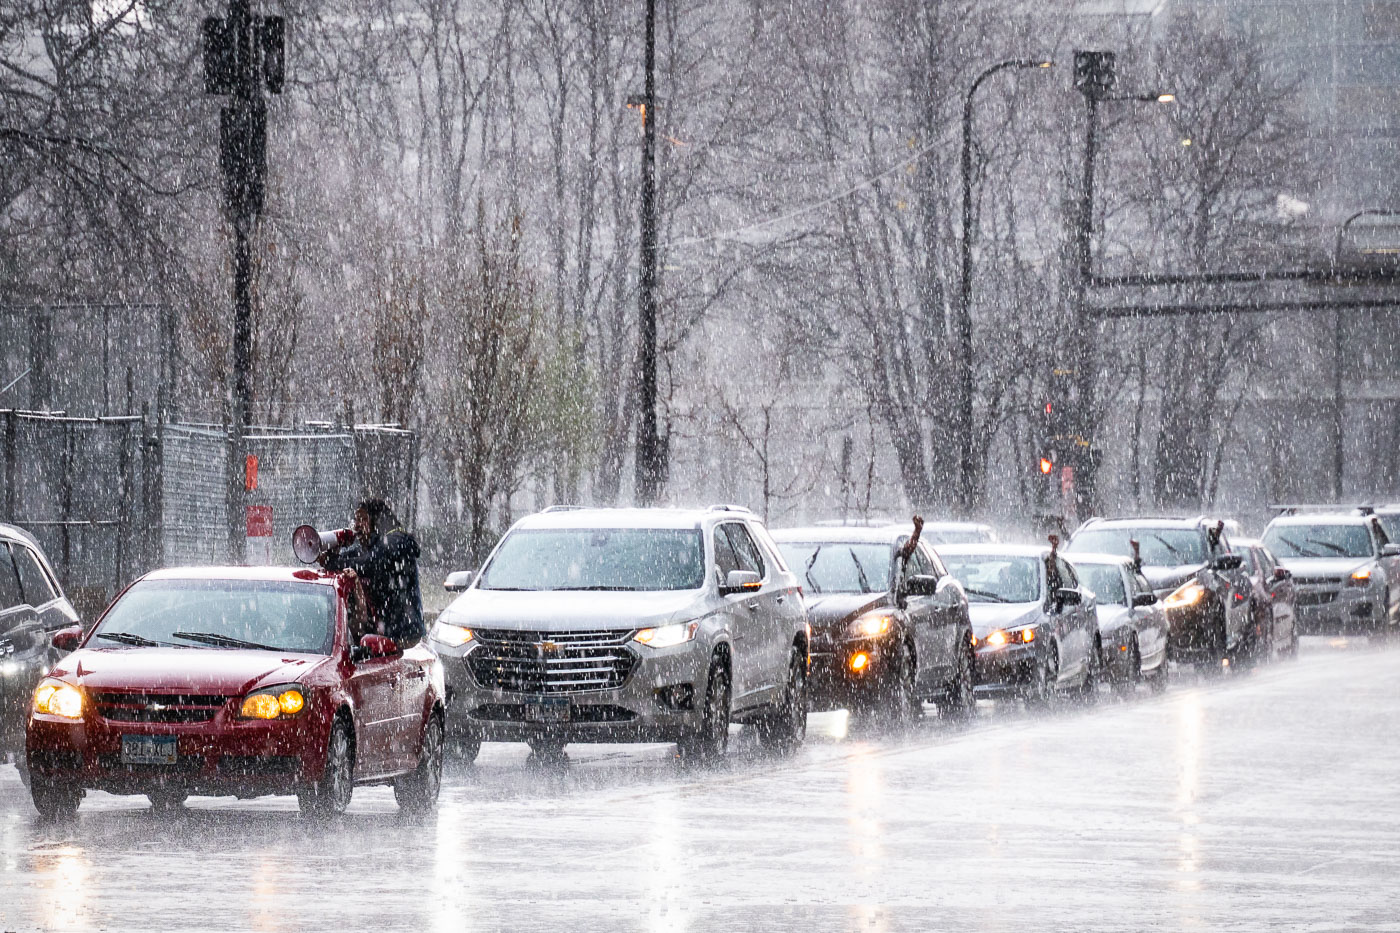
(624, 518)
(1091, 558)
(1324, 518)
(274, 574)
(994, 550)
(842, 534)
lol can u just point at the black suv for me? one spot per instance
(1203, 586)
(32, 608)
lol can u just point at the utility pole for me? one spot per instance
(649, 467)
(243, 54)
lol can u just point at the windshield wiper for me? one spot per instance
(1329, 545)
(1298, 549)
(864, 583)
(224, 641)
(1175, 553)
(992, 596)
(598, 587)
(130, 638)
(807, 571)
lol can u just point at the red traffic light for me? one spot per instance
(1046, 465)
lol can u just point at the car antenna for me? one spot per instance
(1137, 554)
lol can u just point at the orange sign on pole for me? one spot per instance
(250, 473)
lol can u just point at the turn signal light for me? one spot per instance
(859, 661)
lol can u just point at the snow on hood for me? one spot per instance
(989, 616)
(1324, 566)
(1169, 578)
(224, 671)
(573, 610)
(1112, 617)
(831, 609)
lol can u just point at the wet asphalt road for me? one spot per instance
(1264, 800)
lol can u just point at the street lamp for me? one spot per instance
(964, 324)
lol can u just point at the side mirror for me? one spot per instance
(458, 580)
(1227, 562)
(1067, 596)
(67, 639)
(1282, 573)
(1145, 599)
(375, 646)
(740, 581)
(1390, 550)
(921, 584)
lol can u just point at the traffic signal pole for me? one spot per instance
(648, 454)
(242, 54)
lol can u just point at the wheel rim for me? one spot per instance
(798, 709)
(340, 766)
(717, 713)
(432, 761)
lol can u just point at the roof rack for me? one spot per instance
(723, 507)
(1293, 508)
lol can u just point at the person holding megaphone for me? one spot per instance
(385, 558)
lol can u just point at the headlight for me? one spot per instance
(55, 698)
(453, 636)
(1188, 594)
(1016, 636)
(870, 626)
(667, 636)
(1361, 577)
(273, 703)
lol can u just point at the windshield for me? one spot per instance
(257, 614)
(1318, 541)
(1106, 582)
(1161, 547)
(992, 578)
(833, 567)
(598, 559)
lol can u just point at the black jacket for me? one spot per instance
(389, 569)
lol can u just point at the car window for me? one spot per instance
(10, 594)
(1067, 574)
(1105, 581)
(1161, 547)
(837, 567)
(770, 547)
(744, 548)
(921, 565)
(38, 591)
(1251, 565)
(1321, 540)
(1266, 561)
(1141, 582)
(637, 559)
(996, 578)
(725, 558)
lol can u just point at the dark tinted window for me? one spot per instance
(744, 547)
(10, 595)
(725, 558)
(32, 579)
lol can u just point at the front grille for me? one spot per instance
(551, 662)
(259, 764)
(1316, 581)
(157, 707)
(592, 713)
(1315, 598)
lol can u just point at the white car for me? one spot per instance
(627, 625)
(1133, 627)
(1346, 571)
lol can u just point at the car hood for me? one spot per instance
(1324, 566)
(1112, 617)
(987, 617)
(224, 671)
(832, 609)
(1166, 579)
(573, 610)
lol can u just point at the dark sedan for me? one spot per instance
(886, 634)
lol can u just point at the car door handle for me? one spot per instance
(752, 607)
(417, 674)
(781, 598)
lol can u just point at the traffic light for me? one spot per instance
(267, 48)
(1047, 465)
(1094, 72)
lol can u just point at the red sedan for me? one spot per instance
(236, 681)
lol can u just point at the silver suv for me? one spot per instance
(626, 625)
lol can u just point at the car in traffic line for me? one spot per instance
(1202, 585)
(1133, 627)
(1274, 598)
(1035, 631)
(32, 608)
(887, 634)
(627, 625)
(1346, 571)
(236, 681)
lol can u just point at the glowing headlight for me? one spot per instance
(667, 636)
(1016, 636)
(996, 639)
(55, 698)
(1188, 594)
(870, 626)
(273, 703)
(1361, 577)
(453, 636)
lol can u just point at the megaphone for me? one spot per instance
(308, 544)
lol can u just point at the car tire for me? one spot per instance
(784, 730)
(329, 796)
(1088, 693)
(1216, 653)
(463, 748)
(167, 799)
(418, 791)
(959, 699)
(55, 800)
(546, 746)
(1040, 692)
(709, 742)
(1125, 684)
(1291, 651)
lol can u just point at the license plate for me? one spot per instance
(148, 749)
(547, 709)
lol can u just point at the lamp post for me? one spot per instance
(648, 455)
(1094, 77)
(967, 462)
